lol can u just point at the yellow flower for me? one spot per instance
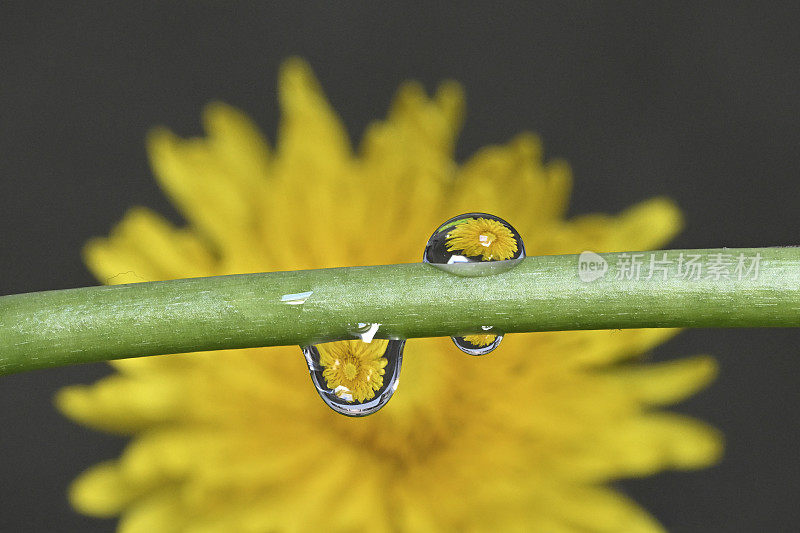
(238, 440)
(353, 369)
(480, 340)
(483, 237)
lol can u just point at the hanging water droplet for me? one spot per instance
(475, 244)
(355, 378)
(480, 344)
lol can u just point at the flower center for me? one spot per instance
(350, 370)
(486, 239)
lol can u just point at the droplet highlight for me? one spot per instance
(475, 244)
(353, 377)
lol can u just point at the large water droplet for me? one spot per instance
(475, 244)
(353, 377)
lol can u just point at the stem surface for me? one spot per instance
(636, 290)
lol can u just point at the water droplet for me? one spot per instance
(353, 377)
(365, 331)
(475, 244)
(477, 344)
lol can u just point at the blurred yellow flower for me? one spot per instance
(238, 440)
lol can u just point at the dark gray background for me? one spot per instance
(700, 103)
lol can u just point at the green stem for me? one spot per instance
(750, 287)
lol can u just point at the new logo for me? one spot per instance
(591, 266)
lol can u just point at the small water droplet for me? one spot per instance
(475, 244)
(477, 344)
(365, 331)
(353, 377)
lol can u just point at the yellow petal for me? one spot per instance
(601, 510)
(101, 491)
(120, 404)
(600, 347)
(238, 142)
(665, 383)
(648, 224)
(641, 446)
(161, 512)
(430, 125)
(310, 131)
(146, 247)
